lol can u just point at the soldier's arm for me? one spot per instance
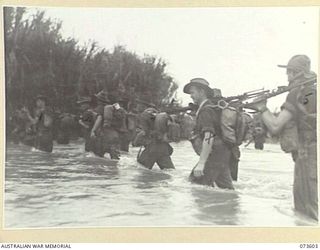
(205, 152)
(31, 119)
(206, 147)
(47, 120)
(83, 124)
(207, 119)
(96, 125)
(276, 123)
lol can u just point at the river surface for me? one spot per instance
(70, 188)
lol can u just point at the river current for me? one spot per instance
(70, 188)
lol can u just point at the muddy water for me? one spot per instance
(69, 188)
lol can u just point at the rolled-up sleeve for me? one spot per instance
(290, 103)
(100, 110)
(206, 121)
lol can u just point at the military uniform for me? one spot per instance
(259, 132)
(131, 122)
(66, 125)
(97, 143)
(174, 133)
(157, 149)
(217, 169)
(301, 103)
(114, 129)
(88, 117)
(22, 129)
(44, 136)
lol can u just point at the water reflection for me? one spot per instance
(148, 179)
(70, 188)
(216, 207)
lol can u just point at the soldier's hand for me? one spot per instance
(25, 110)
(83, 124)
(93, 134)
(258, 104)
(142, 133)
(198, 170)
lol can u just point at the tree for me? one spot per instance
(40, 61)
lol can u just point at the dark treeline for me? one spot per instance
(40, 61)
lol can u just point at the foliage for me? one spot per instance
(40, 61)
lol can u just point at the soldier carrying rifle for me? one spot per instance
(296, 124)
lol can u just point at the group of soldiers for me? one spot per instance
(43, 127)
(108, 127)
(296, 124)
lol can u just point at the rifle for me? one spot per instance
(246, 95)
(224, 102)
(259, 95)
(278, 91)
(174, 110)
(146, 103)
(170, 110)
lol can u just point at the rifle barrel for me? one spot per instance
(176, 110)
(279, 91)
(246, 95)
(145, 103)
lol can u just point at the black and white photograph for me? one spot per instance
(160, 117)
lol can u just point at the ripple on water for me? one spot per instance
(68, 188)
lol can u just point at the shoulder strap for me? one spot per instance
(212, 106)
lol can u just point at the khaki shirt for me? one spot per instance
(208, 120)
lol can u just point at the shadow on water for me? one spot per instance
(68, 187)
(146, 179)
(216, 206)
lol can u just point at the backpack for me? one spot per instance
(234, 124)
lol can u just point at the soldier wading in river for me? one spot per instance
(213, 166)
(296, 125)
(153, 137)
(43, 121)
